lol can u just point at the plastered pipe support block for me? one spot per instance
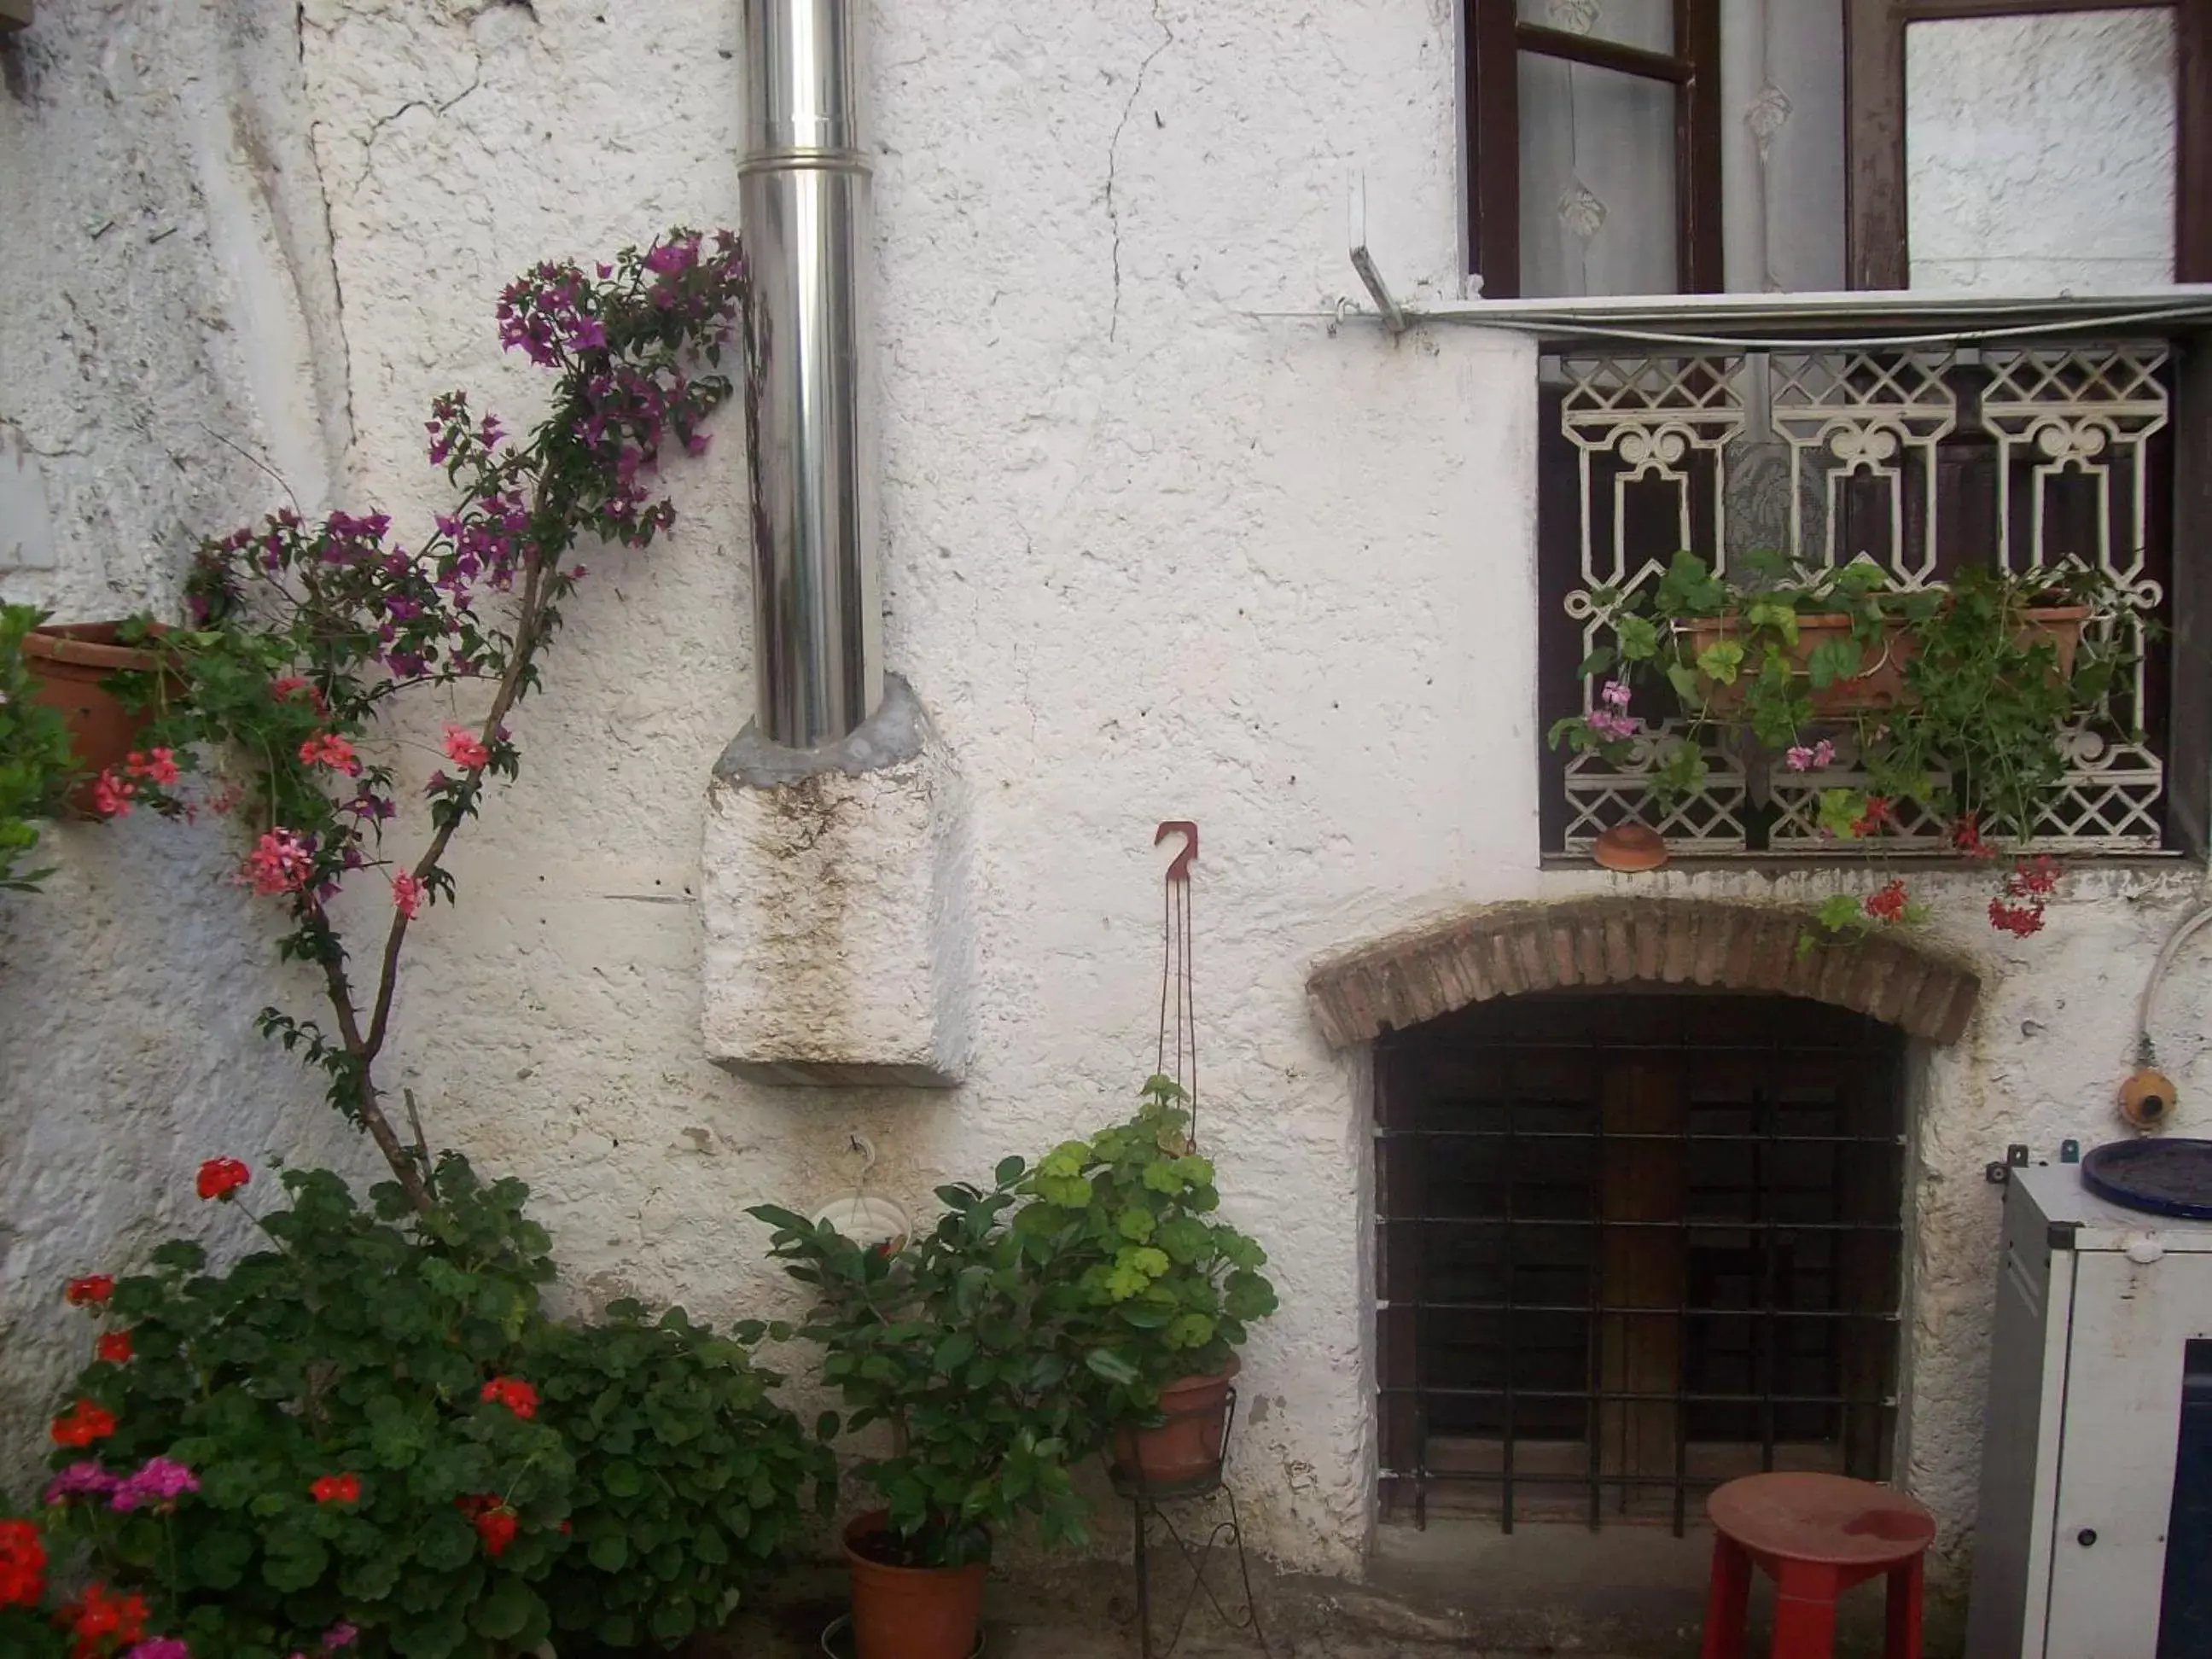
(835, 947)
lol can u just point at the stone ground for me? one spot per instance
(1544, 1593)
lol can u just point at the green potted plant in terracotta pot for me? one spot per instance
(107, 682)
(1163, 1290)
(1958, 700)
(964, 1351)
(36, 769)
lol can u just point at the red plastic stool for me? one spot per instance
(1815, 1535)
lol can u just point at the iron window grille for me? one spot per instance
(1920, 461)
(1632, 1246)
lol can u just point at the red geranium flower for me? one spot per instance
(1877, 813)
(22, 1565)
(337, 1489)
(219, 1177)
(114, 1348)
(101, 1617)
(512, 1392)
(90, 1290)
(84, 1423)
(495, 1522)
(1888, 904)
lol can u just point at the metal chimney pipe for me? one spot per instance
(804, 195)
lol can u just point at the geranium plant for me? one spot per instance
(36, 768)
(341, 1441)
(304, 636)
(1956, 698)
(40, 1619)
(966, 1351)
(372, 1427)
(1165, 1289)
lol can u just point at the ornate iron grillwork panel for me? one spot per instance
(1921, 461)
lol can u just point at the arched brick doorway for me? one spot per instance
(1639, 1195)
(1510, 949)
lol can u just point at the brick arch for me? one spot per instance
(1511, 949)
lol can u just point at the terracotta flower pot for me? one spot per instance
(69, 663)
(910, 1613)
(1879, 683)
(1187, 1446)
(1629, 849)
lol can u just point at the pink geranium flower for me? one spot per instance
(464, 748)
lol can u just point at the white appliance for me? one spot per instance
(2103, 1335)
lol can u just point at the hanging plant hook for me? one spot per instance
(1179, 869)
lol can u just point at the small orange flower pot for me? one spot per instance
(70, 663)
(1187, 1446)
(908, 1613)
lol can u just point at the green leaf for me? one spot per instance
(1841, 810)
(609, 1553)
(1721, 661)
(1639, 636)
(1112, 1365)
(1775, 615)
(954, 1352)
(294, 1561)
(505, 1610)
(1831, 660)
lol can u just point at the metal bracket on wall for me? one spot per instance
(1393, 319)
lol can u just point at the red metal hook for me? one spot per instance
(1179, 869)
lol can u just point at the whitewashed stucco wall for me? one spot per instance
(167, 315)
(1161, 541)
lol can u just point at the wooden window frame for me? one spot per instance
(1876, 254)
(1496, 37)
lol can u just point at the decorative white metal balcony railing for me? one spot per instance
(1922, 460)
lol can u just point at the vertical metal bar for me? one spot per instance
(1682, 1334)
(1594, 1266)
(1767, 1156)
(1512, 1290)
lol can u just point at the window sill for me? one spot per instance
(1785, 864)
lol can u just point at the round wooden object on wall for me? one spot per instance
(1629, 847)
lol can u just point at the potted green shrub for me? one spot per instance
(36, 768)
(1957, 698)
(965, 1350)
(107, 682)
(1163, 1290)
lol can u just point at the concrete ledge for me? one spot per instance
(1510, 949)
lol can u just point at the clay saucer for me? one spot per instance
(1630, 848)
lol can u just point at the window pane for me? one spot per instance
(1646, 23)
(1782, 146)
(1597, 181)
(2039, 151)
